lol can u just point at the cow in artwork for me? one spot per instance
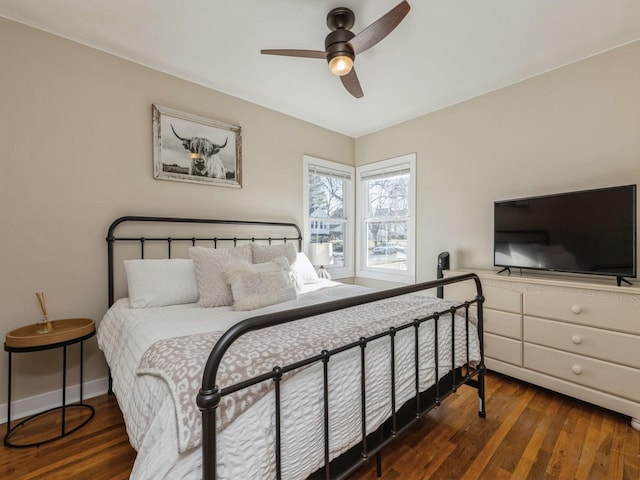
(205, 161)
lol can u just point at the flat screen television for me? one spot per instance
(587, 232)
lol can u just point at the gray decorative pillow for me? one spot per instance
(210, 264)
(266, 253)
(258, 285)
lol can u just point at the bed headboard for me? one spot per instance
(170, 232)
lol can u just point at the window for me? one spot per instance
(386, 219)
(329, 211)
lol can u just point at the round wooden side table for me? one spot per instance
(27, 339)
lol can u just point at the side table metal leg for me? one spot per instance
(8, 400)
(81, 371)
(64, 388)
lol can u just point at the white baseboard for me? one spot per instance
(39, 403)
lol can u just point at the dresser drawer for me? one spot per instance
(604, 376)
(622, 313)
(503, 323)
(603, 344)
(496, 298)
(503, 349)
(504, 299)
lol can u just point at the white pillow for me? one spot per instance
(210, 265)
(162, 282)
(258, 285)
(304, 270)
(266, 253)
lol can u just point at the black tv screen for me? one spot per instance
(591, 231)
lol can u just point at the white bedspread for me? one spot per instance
(245, 447)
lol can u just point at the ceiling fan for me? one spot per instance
(342, 46)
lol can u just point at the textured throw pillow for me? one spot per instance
(210, 264)
(266, 253)
(305, 272)
(258, 285)
(162, 282)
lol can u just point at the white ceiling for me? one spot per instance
(444, 51)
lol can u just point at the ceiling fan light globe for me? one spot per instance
(341, 65)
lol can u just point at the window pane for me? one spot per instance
(326, 196)
(324, 231)
(327, 206)
(387, 244)
(336, 238)
(388, 195)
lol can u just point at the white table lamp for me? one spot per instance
(321, 254)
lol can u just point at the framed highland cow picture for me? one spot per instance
(191, 148)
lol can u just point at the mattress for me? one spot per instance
(246, 446)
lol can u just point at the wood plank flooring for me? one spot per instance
(98, 451)
(529, 433)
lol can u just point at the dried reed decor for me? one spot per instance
(45, 325)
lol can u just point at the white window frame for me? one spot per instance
(309, 163)
(362, 208)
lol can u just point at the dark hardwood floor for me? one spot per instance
(529, 433)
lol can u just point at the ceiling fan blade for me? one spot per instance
(352, 84)
(380, 28)
(296, 53)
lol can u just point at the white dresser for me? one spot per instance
(579, 337)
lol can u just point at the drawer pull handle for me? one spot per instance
(576, 339)
(577, 369)
(576, 309)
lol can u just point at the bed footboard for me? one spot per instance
(402, 416)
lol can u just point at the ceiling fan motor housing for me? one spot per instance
(339, 21)
(336, 44)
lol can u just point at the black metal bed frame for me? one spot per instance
(112, 239)
(210, 395)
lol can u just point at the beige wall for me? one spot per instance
(573, 128)
(75, 134)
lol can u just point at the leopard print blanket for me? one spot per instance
(180, 361)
